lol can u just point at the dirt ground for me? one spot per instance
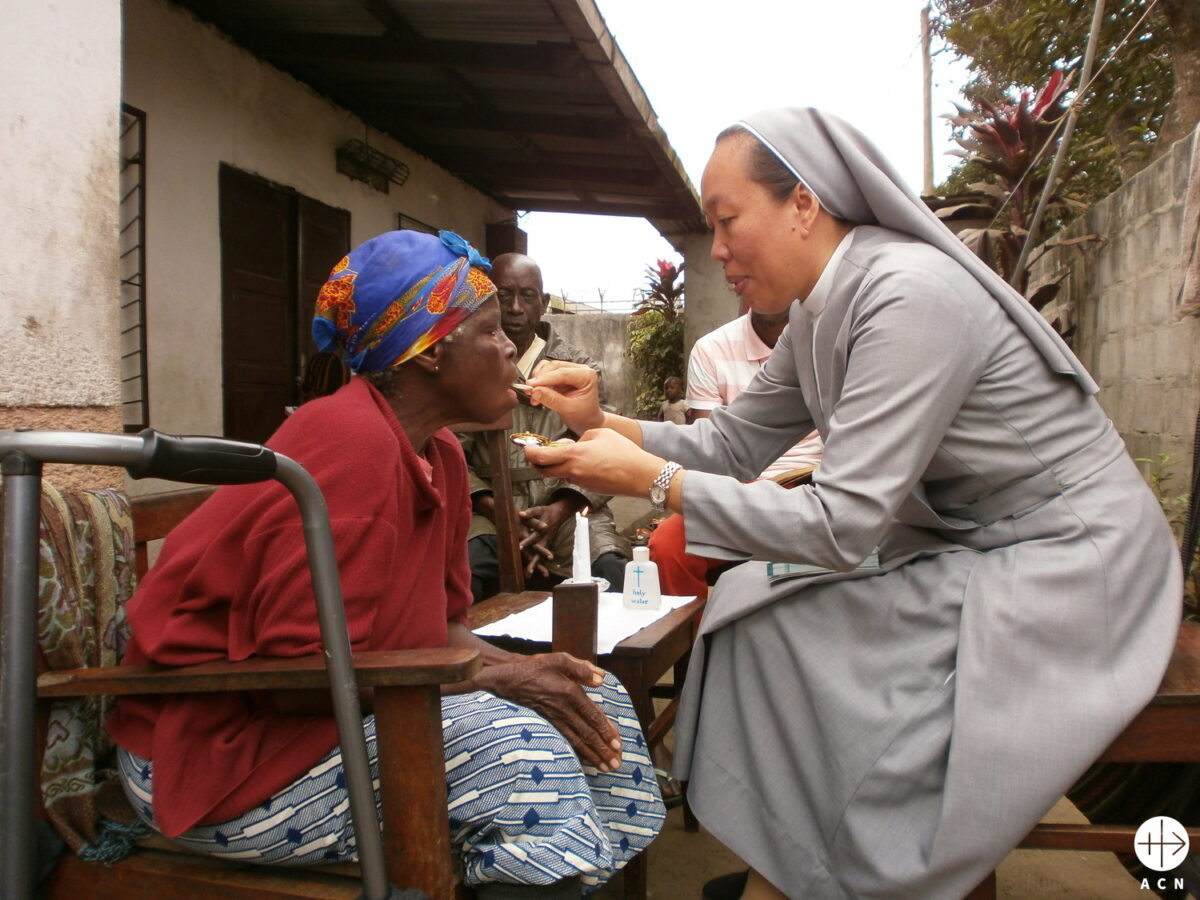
(680, 863)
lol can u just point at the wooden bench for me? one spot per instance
(1166, 731)
(154, 515)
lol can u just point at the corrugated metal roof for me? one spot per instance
(530, 101)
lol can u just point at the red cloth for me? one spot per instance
(232, 582)
(680, 574)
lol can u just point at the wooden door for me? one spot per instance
(324, 239)
(273, 244)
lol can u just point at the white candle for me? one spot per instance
(581, 556)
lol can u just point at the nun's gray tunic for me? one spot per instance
(894, 734)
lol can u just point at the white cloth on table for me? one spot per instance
(614, 622)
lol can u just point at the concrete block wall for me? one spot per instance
(710, 301)
(605, 338)
(1120, 293)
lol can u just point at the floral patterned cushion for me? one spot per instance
(86, 574)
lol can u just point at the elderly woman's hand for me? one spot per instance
(549, 683)
(570, 389)
(602, 461)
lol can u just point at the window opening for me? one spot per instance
(135, 401)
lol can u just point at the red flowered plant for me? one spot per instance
(1014, 142)
(656, 334)
(664, 290)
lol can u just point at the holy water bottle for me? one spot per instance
(641, 581)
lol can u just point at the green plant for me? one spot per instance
(664, 290)
(1146, 92)
(656, 335)
(1012, 143)
(1160, 472)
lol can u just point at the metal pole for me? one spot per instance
(347, 711)
(18, 687)
(1061, 154)
(199, 460)
(927, 84)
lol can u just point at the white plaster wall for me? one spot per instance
(61, 73)
(208, 101)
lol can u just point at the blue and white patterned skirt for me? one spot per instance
(523, 809)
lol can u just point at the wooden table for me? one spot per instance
(639, 661)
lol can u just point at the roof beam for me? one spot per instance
(596, 43)
(637, 210)
(451, 114)
(558, 125)
(501, 59)
(391, 19)
(532, 175)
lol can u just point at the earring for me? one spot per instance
(436, 369)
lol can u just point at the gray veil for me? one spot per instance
(852, 180)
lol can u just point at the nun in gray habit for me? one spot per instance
(890, 730)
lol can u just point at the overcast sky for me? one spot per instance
(706, 65)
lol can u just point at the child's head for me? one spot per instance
(673, 388)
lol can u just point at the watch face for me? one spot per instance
(658, 495)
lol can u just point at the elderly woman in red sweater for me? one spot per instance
(558, 799)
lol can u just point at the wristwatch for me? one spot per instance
(658, 490)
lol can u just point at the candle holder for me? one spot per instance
(602, 584)
(575, 618)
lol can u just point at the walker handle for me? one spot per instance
(202, 460)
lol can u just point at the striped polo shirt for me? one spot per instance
(721, 366)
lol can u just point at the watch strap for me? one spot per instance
(662, 483)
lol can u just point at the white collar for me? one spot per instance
(815, 301)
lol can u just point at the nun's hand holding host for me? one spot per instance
(608, 457)
(602, 460)
(570, 389)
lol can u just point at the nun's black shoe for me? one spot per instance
(726, 887)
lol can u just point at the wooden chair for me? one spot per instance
(1166, 731)
(408, 721)
(508, 546)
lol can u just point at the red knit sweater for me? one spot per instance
(232, 582)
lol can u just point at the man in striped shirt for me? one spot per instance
(722, 364)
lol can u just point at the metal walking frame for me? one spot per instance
(195, 460)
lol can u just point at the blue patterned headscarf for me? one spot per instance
(398, 294)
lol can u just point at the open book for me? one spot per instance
(793, 477)
(783, 571)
